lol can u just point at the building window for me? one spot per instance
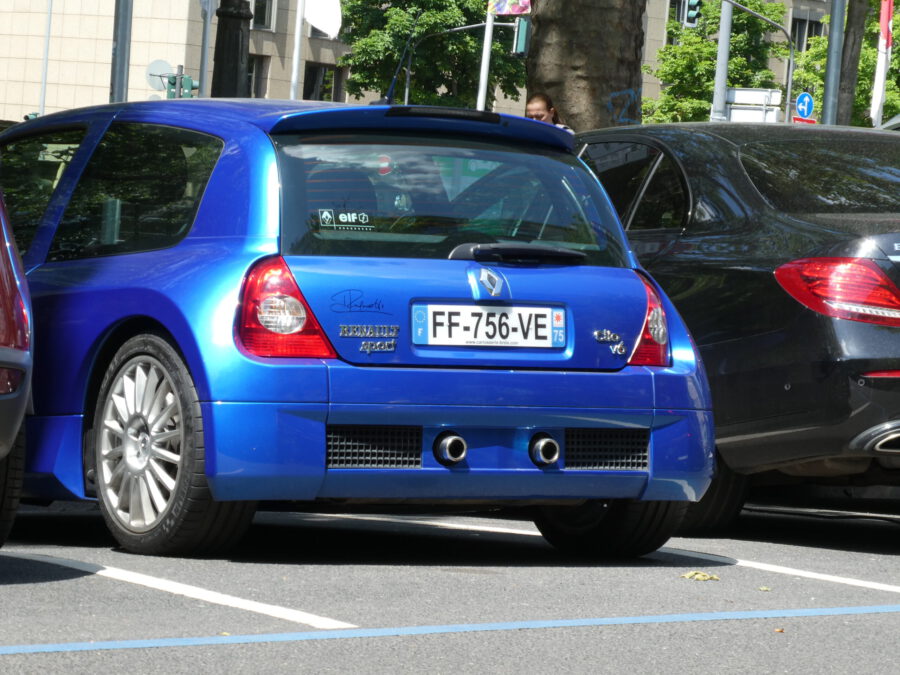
(258, 74)
(802, 30)
(264, 14)
(321, 82)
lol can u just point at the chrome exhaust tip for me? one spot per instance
(450, 448)
(543, 450)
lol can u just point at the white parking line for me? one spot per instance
(778, 569)
(188, 591)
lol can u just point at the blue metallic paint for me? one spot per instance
(264, 418)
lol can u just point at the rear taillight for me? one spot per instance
(23, 334)
(275, 319)
(10, 379)
(652, 349)
(845, 288)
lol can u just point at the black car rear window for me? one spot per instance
(399, 196)
(827, 176)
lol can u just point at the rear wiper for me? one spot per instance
(518, 253)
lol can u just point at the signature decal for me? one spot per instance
(353, 300)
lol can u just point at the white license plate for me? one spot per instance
(488, 326)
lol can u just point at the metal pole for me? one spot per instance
(298, 54)
(409, 59)
(121, 52)
(790, 69)
(720, 90)
(46, 58)
(485, 61)
(179, 81)
(204, 51)
(232, 52)
(833, 64)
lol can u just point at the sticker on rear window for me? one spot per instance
(351, 220)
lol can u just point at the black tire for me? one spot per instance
(149, 457)
(12, 469)
(720, 506)
(610, 529)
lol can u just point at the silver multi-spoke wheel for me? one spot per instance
(141, 441)
(149, 459)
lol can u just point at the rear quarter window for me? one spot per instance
(139, 191)
(419, 197)
(825, 176)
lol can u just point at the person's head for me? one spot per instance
(540, 107)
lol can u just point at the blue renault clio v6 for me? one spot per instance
(337, 306)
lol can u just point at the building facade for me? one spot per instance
(76, 37)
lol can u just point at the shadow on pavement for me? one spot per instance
(877, 533)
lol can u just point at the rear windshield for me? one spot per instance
(420, 197)
(826, 177)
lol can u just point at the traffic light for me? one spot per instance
(522, 37)
(189, 87)
(181, 86)
(692, 13)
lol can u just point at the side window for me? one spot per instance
(140, 191)
(643, 183)
(622, 168)
(30, 169)
(664, 203)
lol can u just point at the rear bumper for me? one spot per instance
(854, 417)
(271, 451)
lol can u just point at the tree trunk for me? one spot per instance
(854, 32)
(586, 56)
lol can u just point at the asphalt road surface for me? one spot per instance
(785, 592)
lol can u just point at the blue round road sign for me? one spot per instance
(805, 105)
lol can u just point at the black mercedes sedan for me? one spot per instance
(780, 246)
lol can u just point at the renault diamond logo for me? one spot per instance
(491, 282)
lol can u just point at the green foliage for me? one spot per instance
(687, 65)
(445, 67)
(809, 73)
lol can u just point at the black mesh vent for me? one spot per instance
(607, 449)
(366, 447)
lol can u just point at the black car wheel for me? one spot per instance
(149, 454)
(720, 506)
(611, 529)
(11, 471)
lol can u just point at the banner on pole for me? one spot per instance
(507, 7)
(324, 15)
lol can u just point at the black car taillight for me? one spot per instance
(274, 317)
(844, 288)
(652, 349)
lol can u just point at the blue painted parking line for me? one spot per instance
(408, 631)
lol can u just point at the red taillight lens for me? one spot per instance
(652, 349)
(846, 288)
(275, 319)
(10, 379)
(23, 334)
